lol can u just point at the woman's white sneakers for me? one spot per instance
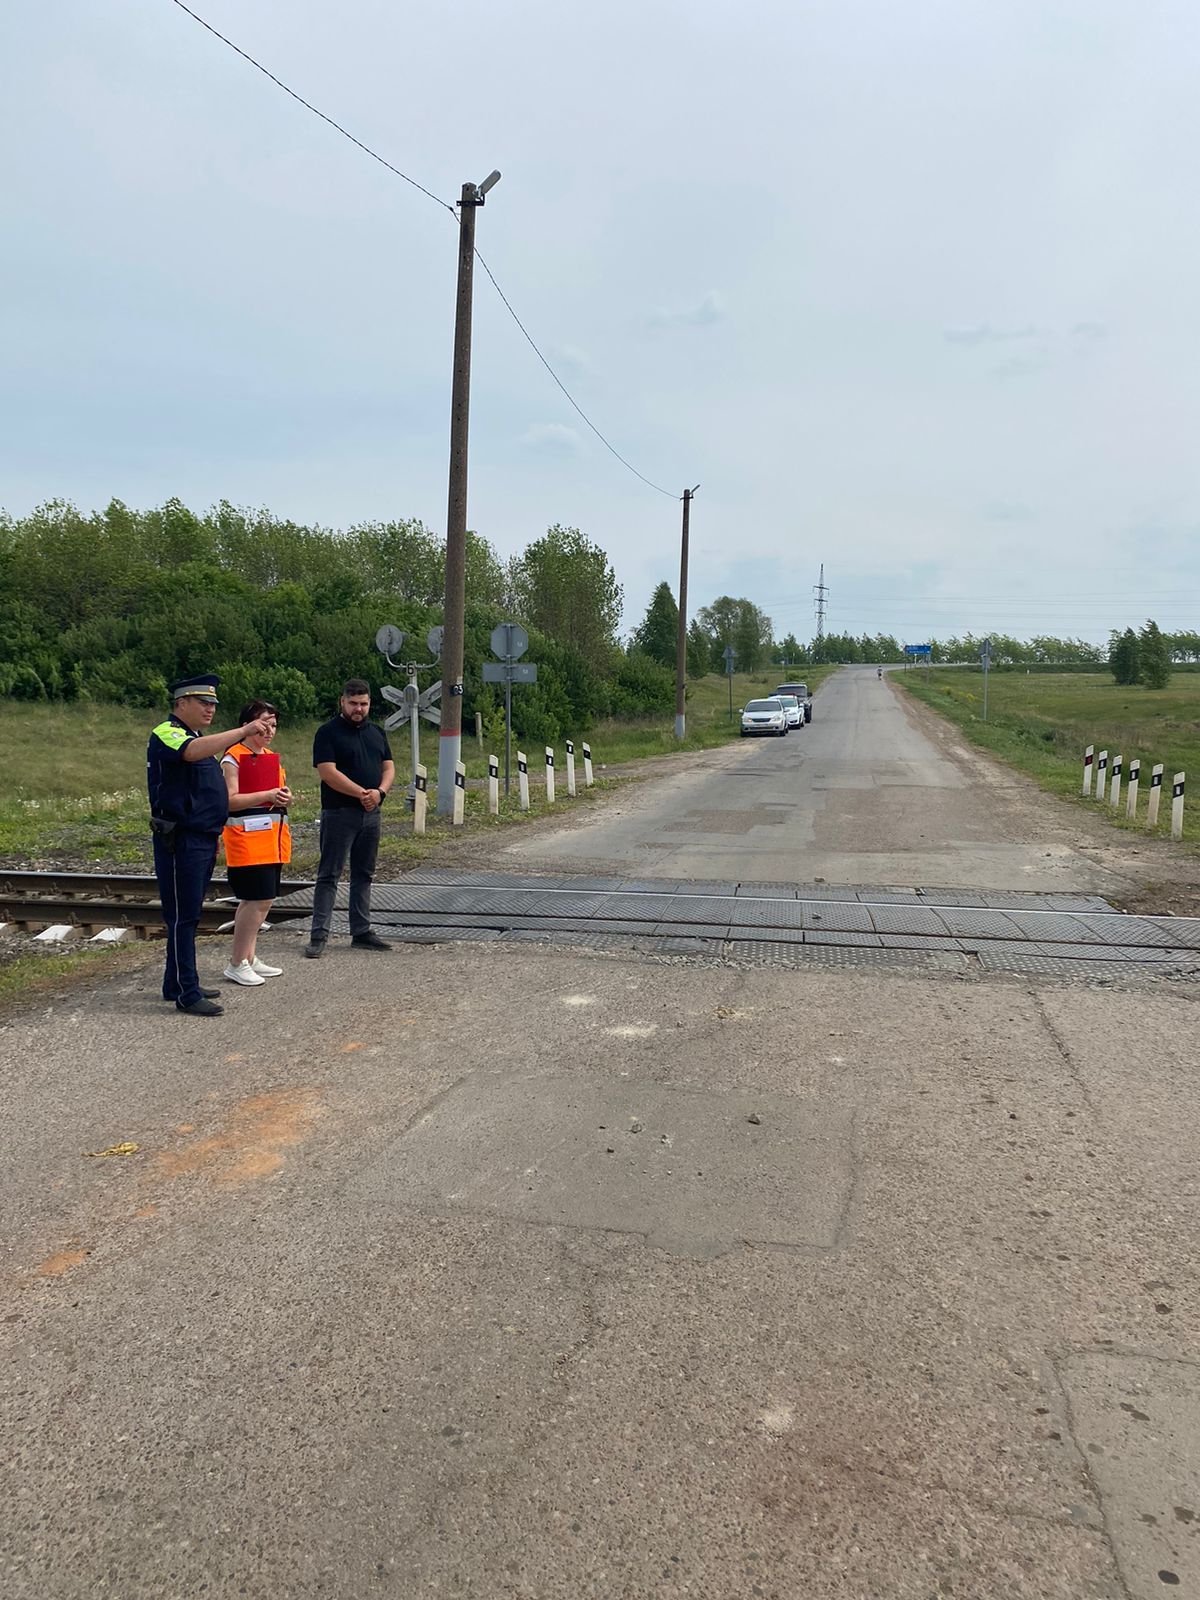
(251, 972)
(244, 973)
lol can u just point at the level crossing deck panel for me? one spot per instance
(1079, 935)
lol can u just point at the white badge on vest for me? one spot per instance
(258, 824)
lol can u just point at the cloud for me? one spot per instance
(984, 333)
(709, 310)
(553, 436)
(1090, 331)
(1024, 366)
(571, 362)
(1007, 511)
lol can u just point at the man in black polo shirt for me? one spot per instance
(355, 762)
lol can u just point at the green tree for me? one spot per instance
(658, 633)
(563, 585)
(1153, 657)
(740, 623)
(1124, 656)
(699, 649)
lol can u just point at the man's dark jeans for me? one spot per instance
(348, 831)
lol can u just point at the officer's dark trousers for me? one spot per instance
(348, 831)
(183, 877)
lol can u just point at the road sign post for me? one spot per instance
(412, 704)
(509, 641)
(729, 656)
(571, 767)
(985, 655)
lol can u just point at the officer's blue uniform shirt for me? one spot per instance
(192, 794)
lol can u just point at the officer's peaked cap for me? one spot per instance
(203, 685)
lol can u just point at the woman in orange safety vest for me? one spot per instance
(258, 842)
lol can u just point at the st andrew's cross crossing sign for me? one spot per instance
(406, 698)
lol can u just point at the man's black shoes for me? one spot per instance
(315, 950)
(201, 1008)
(209, 994)
(369, 941)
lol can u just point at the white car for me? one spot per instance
(764, 716)
(800, 690)
(793, 707)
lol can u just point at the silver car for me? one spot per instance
(764, 716)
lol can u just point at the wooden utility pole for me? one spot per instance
(681, 639)
(450, 742)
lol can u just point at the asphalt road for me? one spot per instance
(485, 1271)
(864, 794)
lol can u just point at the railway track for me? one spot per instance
(33, 901)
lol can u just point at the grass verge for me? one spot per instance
(1041, 723)
(74, 793)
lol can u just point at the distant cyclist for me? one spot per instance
(879, 672)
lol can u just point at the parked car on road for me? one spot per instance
(800, 690)
(764, 716)
(793, 707)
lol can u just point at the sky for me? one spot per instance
(911, 291)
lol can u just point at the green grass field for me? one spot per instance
(1041, 723)
(74, 777)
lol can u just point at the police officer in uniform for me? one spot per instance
(189, 804)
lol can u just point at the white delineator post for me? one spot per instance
(1155, 795)
(493, 786)
(588, 780)
(1177, 806)
(460, 794)
(420, 798)
(549, 776)
(1089, 757)
(571, 767)
(1101, 775)
(1135, 772)
(1115, 791)
(523, 778)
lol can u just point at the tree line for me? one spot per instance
(113, 605)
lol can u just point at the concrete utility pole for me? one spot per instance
(681, 640)
(450, 743)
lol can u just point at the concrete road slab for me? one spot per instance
(1135, 1420)
(689, 1172)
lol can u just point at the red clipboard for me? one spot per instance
(258, 772)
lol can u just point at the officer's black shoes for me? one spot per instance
(201, 1008)
(369, 941)
(315, 950)
(209, 994)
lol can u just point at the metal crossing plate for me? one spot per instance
(711, 919)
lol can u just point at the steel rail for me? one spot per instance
(110, 885)
(46, 910)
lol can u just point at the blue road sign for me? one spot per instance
(918, 649)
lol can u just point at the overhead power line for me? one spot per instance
(670, 493)
(445, 206)
(308, 106)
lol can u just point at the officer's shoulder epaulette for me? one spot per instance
(171, 734)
